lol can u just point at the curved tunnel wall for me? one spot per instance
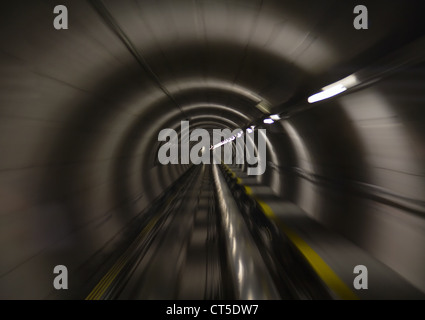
(362, 174)
(80, 118)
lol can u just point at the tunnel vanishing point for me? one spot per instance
(342, 110)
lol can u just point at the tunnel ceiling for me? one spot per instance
(228, 53)
(104, 88)
(125, 70)
(258, 50)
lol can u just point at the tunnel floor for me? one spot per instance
(180, 254)
(185, 249)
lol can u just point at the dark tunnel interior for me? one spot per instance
(87, 117)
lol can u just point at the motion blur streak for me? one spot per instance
(80, 181)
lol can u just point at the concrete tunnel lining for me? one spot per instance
(83, 117)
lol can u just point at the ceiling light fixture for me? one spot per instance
(334, 89)
(268, 121)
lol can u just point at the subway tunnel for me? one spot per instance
(335, 210)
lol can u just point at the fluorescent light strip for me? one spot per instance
(225, 141)
(335, 88)
(327, 93)
(268, 121)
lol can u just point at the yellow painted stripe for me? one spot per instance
(110, 276)
(106, 281)
(232, 174)
(321, 267)
(323, 270)
(248, 190)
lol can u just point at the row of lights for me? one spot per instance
(272, 119)
(326, 93)
(230, 139)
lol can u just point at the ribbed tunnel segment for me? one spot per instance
(81, 184)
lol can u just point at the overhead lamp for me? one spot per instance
(334, 89)
(326, 94)
(275, 117)
(268, 121)
(250, 129)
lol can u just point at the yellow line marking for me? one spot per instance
(321, 267)
(248, 190)
(99, 290)
(109, 277)
(323, 270)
